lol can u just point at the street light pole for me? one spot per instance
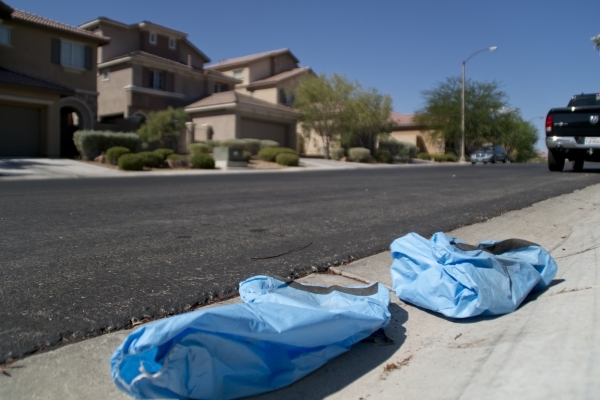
(462, 122)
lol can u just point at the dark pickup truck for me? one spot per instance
(573, 132)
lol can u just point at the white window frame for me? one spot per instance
(69, 59)
(106, 75)
(152, 35)
(238, 74)
(8, 31)
(172, 40)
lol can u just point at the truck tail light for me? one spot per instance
(549, 121)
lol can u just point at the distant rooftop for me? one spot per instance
(232, 62)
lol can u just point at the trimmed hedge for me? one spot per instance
(287, 159)
(403, 151)
(91, 144)
(359, 154)
(151, 159)
(384, 157)
(199, 148)
(268, 143)
(202, 161)
(337, 153)
(234, 143)
(177, 161)
(212, 143)
(444, 157)
(424, 156)
(270, 153)
(247, 156)
(131, 162)
(164, 152)
(252, 146)
(113, 154)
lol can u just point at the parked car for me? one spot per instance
(487, 154)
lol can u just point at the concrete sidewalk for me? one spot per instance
(548, 348)
(61, 168)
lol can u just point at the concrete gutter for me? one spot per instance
(548, 348)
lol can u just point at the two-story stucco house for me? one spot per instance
(47, 84)
(148, 67)
(259, 107)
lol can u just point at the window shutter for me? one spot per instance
(170, 82)
(55, 51)
(146, 78)
(88, 57)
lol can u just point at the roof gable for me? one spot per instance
(244, 60)
(234, 97)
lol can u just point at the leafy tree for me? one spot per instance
(337, 108)
(163, 126)
(517, 136)
(596, 40)
(368, 117)
(442, 111)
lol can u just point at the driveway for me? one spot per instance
(51, 168)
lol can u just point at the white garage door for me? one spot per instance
(254, 129)
(19, 131)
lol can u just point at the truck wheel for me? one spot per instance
(577, 165)
(556, 161)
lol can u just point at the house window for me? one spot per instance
(105, 75)
(238, 74)
(171, 43)
(221, 87)
(156, 80)
(152, 38)
(4, 35)
(72, 54)
(286, 97)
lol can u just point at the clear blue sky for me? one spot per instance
(399, 47)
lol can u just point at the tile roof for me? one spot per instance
(48, 23)
(249, 58)
(233, 96)
(16, 78)
(279, 77)
(398, 119)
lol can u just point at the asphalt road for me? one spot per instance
(79, 257)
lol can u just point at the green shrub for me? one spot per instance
(337, 153)
(359, 154)
(164, 152)
(247, 156)
(202, 161)
(268, 143)
(199, 148)
(91, 144)
(177, 161)
(287, 159)
(235, 143)
(151, 159)
(252, 146)
(384, 157)
(444, 157)
(391, 145)
(270, 153)
(131, 162)
(212, 143)
(424, 156)
(113, 154)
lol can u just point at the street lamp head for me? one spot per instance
(493, 48)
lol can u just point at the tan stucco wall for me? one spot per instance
(50, 115)
(260, 69)
(123, 41)
(269, 94)
(257, 129)
(223, 126)
(30, 53)
(113, 98)
(421, 139)
(283, 63)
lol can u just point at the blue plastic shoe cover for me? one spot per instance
(459, 280)
(282, 332)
